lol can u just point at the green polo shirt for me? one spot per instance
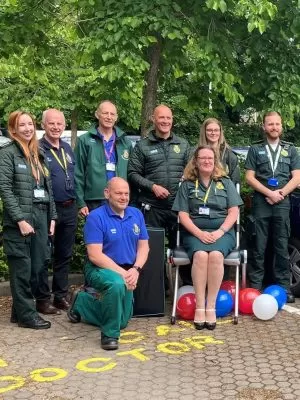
(222, 195)
(258, 161)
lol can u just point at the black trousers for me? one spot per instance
(26, 258)
(63, 243)
(93, 204)
(167, 219)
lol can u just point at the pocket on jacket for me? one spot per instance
(16, 248)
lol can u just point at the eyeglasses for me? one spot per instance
(210, 159)
(217, 130)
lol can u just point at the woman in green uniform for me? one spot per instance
(211, 133)
(207, 202)
(28, 216)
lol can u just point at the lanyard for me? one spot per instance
(35, 165)
(108, 154)
(204, 199)
(273, 164)
(64, 164)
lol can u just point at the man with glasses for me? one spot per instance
(101, 154)
(273, 171)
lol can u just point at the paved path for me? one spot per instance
(253, 360)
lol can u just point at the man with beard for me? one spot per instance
(273, 171)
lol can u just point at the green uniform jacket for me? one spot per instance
(230, 162)
(17, 184)
(90, 169)
(161, 162)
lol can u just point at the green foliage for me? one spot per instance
(79, 252)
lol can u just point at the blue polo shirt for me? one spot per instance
(119, 236)
(58, 176)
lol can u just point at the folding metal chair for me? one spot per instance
(237, 258)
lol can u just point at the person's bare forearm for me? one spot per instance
(142, 253)
(292, 184)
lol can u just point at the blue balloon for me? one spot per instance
(279, 293)
(224, 303)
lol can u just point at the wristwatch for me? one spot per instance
(139, 269)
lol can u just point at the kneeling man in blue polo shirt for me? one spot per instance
(117, 246)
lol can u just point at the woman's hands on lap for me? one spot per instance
(210, 237)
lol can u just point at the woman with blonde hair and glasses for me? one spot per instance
(207, 203)
(28, 216)
(211, 133)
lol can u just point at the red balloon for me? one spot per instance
(229, 286)
(246, 299)
(186, 306)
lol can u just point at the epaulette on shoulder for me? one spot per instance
(4, 142)
(285, 143)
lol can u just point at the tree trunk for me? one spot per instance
(150, 86)
(74, 120)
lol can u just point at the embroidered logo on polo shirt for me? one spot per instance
(136, 229)
(176, 148)
(219, 185)
(49, 159)
(125, 155)
(113, 230)
(284, 153)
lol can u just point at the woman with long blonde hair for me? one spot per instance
(212, 134)
(28, 216)
(207, 204)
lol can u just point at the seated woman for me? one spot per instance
(211, 133)
(207, 202)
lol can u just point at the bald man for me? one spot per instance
(101, 154)
(61, 163)
(155, 170)
(117, 246)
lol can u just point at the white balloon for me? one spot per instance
(184, 290)
(265, 307)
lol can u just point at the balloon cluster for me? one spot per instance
(264, 306)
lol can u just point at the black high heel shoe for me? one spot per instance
(199, 325)
(211, 325)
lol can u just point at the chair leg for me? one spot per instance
(173, 316)
(237, 290)
(170, 276)
(244, 265)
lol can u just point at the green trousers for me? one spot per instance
(26, 257)
(275, 219)
(112, 309)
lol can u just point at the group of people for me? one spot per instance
(44, 184)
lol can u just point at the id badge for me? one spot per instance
(39, 193)
(203, 211)
(69, 185)
(273, 182)
(110, 166)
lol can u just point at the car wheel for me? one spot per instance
(294, 251)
